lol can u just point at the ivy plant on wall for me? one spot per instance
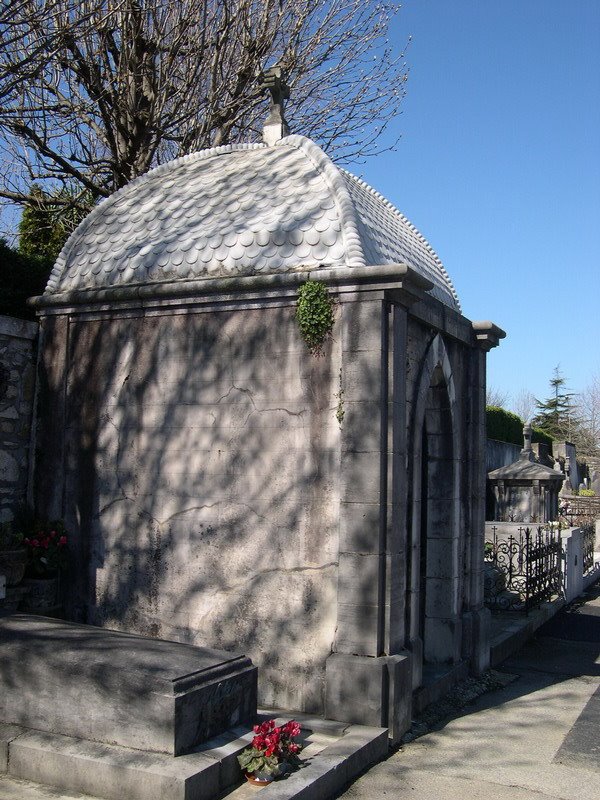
(314, 312)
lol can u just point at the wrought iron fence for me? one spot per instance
(588, 541)
(523, 571)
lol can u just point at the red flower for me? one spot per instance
(291, 728)
(62, 541)
(35, 543)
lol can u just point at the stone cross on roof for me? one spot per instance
(275, 127)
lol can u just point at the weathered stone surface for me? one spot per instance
(225, 487)
(360, 479)
(16, 406)
(214, 433)
(374, 691)
(357, 628)
(359, 527)
(7, 734)
(119, 688)
(112, 772)
(9, 468)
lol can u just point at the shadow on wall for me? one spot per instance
(201, 482)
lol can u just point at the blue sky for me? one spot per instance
(499, 168)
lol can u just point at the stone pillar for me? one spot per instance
(536, 505)
(361, 564)
(368, 678)
(476, 619)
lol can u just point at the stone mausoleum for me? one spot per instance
(225, 487)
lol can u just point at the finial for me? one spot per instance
(275, 127)
(527, 451)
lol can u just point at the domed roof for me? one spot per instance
(242, 210)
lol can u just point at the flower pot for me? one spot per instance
(43, 595)
(259, 778)
(12, 564)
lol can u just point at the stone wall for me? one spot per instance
(17, 382)
(500, 454)
(224, 487)
(202, 467)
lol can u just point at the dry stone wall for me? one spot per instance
(17, 382)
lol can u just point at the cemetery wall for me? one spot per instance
(17, 381)
(500, 454)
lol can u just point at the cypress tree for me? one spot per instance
(556, 415)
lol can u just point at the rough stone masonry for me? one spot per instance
(17, 383)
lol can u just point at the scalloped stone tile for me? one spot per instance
(240, 210)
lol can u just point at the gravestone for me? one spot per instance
(119, 688)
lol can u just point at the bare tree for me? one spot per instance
(95, 92)
(524, 404)
(495, 397)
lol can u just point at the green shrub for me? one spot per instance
(21, 276)
(586, 493)
(504, 426)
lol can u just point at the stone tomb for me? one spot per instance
(525, 491)
(224, 486)
(119, 688)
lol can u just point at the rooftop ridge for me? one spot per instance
(410, 225)
(332, 175)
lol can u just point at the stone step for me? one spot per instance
(329, 771)
(17, 789)
(333, 754)
(110, 771)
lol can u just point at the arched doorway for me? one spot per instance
(433, 599)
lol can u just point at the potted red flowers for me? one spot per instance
(47, 558)
(272, 751)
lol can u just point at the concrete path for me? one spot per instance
(536, 739)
